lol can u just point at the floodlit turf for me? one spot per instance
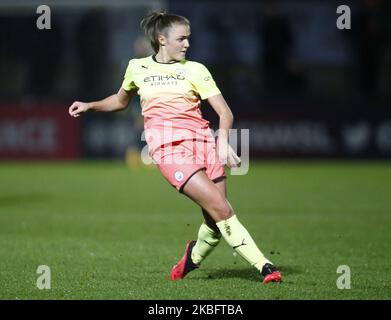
(110, 232)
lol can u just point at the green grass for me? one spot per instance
(110, 232)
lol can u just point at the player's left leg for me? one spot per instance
(200, 189)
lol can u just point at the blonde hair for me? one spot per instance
(159, 22)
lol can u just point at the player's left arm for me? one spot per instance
(226, 154)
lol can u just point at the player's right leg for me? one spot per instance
(209, 235)
(208, 238)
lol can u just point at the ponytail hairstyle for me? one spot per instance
(157, 23)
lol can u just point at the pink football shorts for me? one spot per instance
(178, 161)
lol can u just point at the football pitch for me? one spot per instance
(107, 231)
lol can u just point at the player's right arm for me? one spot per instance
(115, 102)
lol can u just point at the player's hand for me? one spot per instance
(77, 108)
(226, 154)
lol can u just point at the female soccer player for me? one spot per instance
(180, 140)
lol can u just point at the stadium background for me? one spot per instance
(305, 89)
(302, 86)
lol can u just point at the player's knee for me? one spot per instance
(223, 211)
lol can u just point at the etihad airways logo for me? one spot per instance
(164, 78)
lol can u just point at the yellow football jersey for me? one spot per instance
(170, 94)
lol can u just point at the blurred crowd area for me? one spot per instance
(263, 54)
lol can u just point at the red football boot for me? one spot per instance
(270, 273)
(185, 265)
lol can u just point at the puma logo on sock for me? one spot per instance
(243, 244)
